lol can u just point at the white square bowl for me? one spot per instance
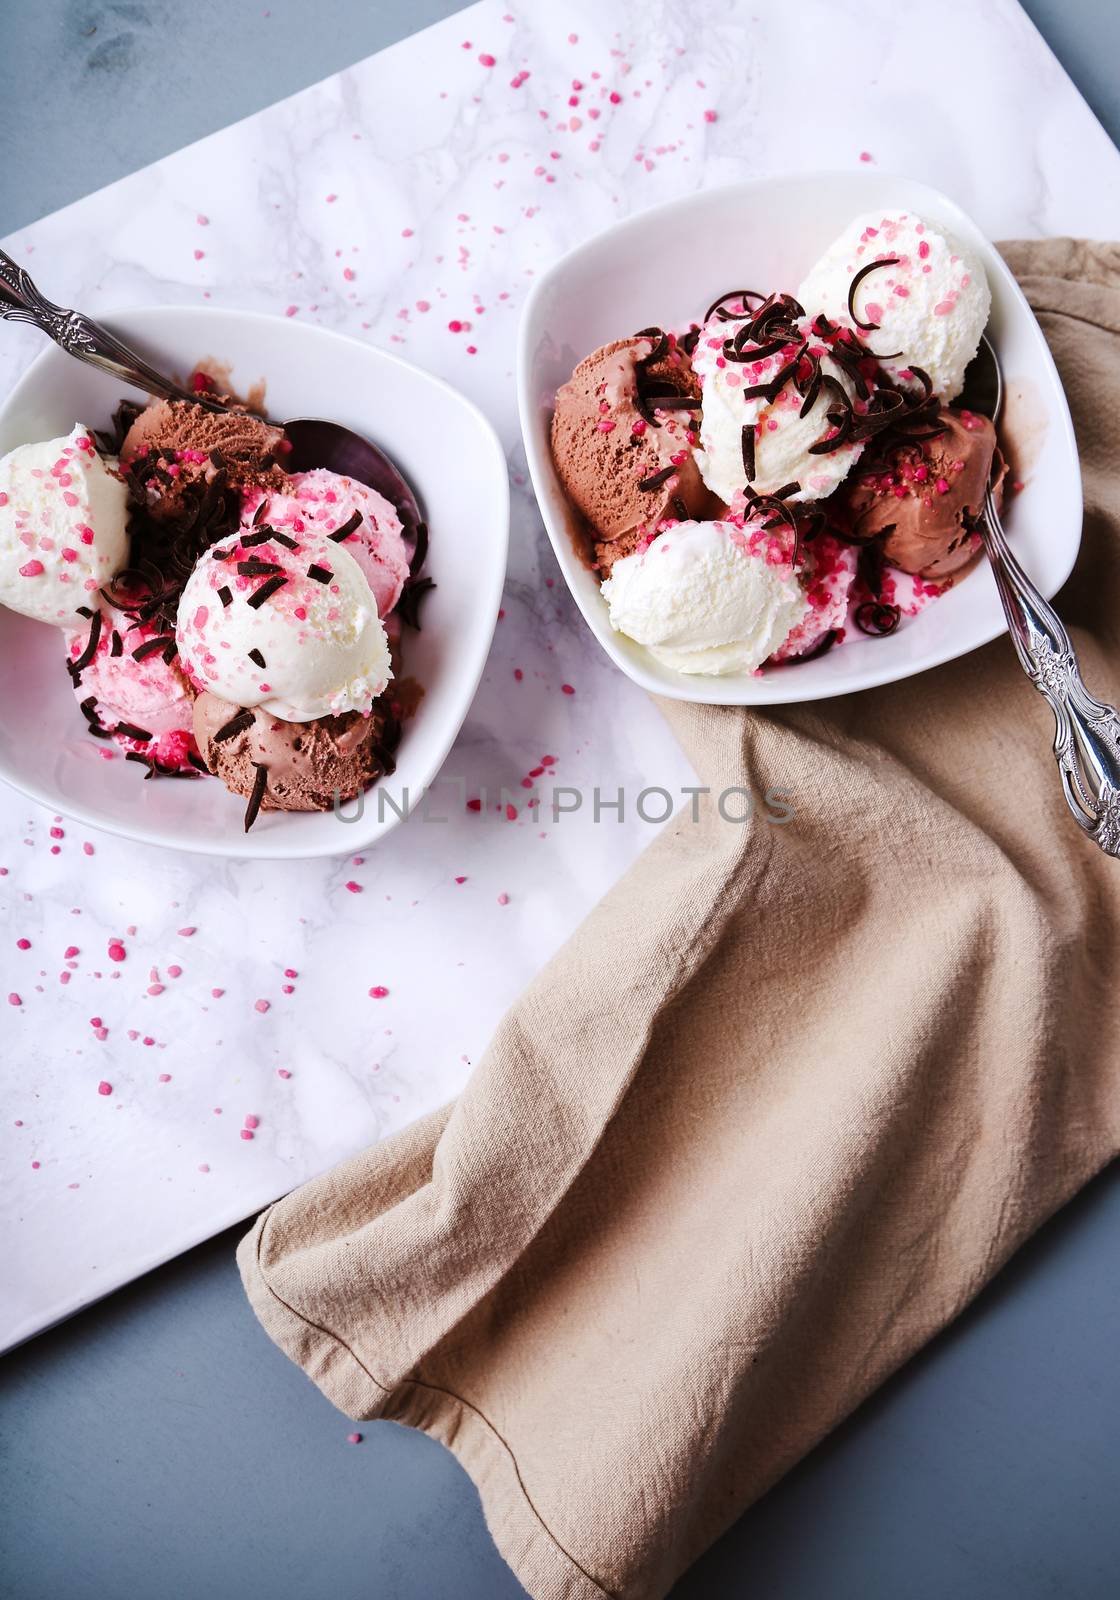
(448, 452)
(664, 267)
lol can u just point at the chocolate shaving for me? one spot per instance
(255, 655)
(237, 724)
(351, 525)
(656, 479)
(669, 403)
(785, 491)
(690, 340)
(88, 708)
(151, 647)
(718, 307)
(116, 646)
(262, 536)
(259, 514)
(266, 591)
(92, 642)
(680, 508)
(320, 574)
(877, 618)
(225, 595)
(221, 555)
(747, 446)
(131, 731)
(258, 569)
(260, 783)
(197, 761)
(285, 539)
(217, 458)
(84, 611)
(872, 266)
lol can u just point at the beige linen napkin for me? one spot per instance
(774, 1115)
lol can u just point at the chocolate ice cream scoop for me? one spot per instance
(927, 497)
(175, 448)
(622, 439)
(304, 764)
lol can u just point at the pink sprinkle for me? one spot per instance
(155, 988)
(23, 944)
(353, 1438)
(252, 1122)
(331, 198)
(204, 1167)
(378, 992)
(503, 899)
(198, 254)
(104, 1088)
(31, 569)
(187, 933)
(942, 486)
(454, 326)
(291, 311)
(711, 116)
(203, 222)
(354, 888)
(246, 1133)
(70, 498)
(349, 274)
(35, 1166)
(923, 249)
(518, 79)
(262, 1006)
(290, 972)
(566, 688)
(217, 993)
(164, 1077)
(865, 155)
(460, 880)
(487, 61)
(943, 308)
(14, 1000)
(116, 950)
(87, 848)
(282, 1072)
(174, 972)
(70, 952)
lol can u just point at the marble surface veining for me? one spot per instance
(409, 201)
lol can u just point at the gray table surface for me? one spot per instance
(159, 1445)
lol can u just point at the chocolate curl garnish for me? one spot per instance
(786, 490)
(260, 783)
(197, 762)
(872, 266)
(848, 360)
(821, 648)
(260, 513)
(680, 508)
(92, 642)
(660, 346)
(131, 731)
(841, 420)
(877, 618)
(675, 403)
(690, 340)
(922, 376)
(266, 591)
(237, 724)
(656, 479)
(159, 645)
(781, 515)
(882, 412)
(748, 439)
(408, 606)
(320, 574)
(718, 307)
(116, 644)
(871, 568)
(262, 536)
(256, 657)
(420, 554)
(258, 569)
(88, 708)
(351, 525)
(283, 538)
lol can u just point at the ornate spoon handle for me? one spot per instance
(1087, 732)
(21, 301)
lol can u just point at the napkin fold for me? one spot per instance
(785, 1102)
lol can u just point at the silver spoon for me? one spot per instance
(315, 442)
(1087, 732)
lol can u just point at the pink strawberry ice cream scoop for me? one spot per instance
(129, 690)
(348, 513)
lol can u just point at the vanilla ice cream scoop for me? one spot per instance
(63, 527)
(708, 597)
(765, 419)
(285, 622)
(914, 292)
